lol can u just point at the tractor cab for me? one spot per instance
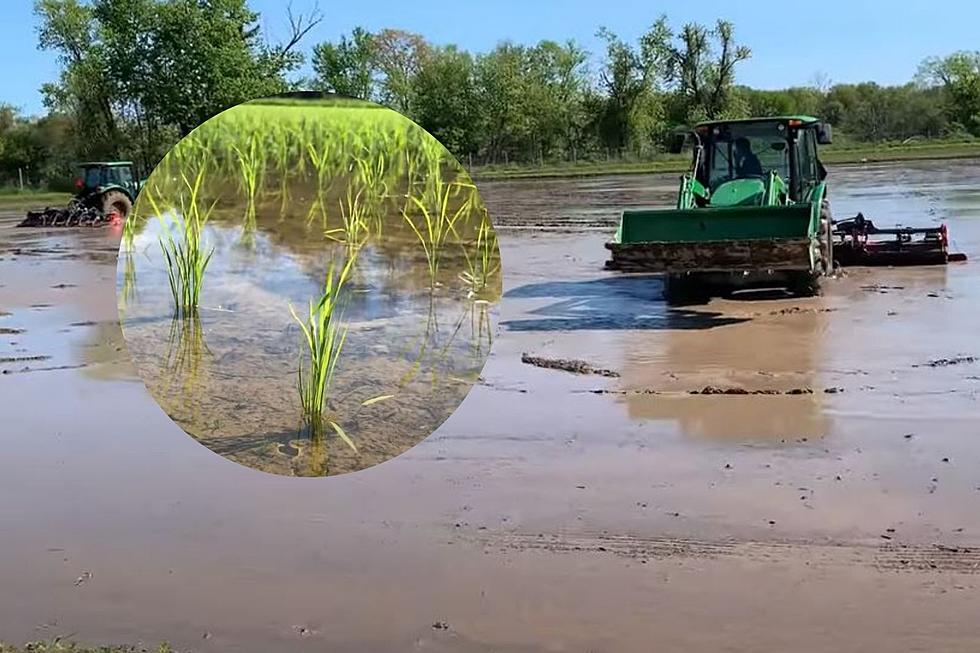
(748, 162)
(109, 186)
(99, 176)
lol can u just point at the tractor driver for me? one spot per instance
(746, 162)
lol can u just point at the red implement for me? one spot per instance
(858, 241)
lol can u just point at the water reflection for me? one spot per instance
(228, 374)
(774, 352)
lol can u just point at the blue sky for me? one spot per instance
(847, 40)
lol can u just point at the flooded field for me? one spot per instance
(833, 507)
(229, 375)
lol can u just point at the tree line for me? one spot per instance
(136, 75)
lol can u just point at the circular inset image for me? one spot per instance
(308, 284)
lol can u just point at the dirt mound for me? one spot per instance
(567, 365)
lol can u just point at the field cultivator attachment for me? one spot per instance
(857, 241)
(75, 215)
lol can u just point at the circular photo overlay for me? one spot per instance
(308, 284)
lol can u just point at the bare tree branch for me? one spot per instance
(300, 26)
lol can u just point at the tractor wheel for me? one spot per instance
(826, 238)
(682, 290)
(116, 206)
(805, 284)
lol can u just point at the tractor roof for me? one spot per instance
(807, 120)
(92, 164)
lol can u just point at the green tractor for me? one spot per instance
(752, 212)
(105, 192)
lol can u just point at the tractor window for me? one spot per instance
(729, 158)
(120, 175)
(806, 148)
(92, 177)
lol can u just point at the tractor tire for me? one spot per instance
(685, 290)
(826, 238)
(805, 284)
(116, 202)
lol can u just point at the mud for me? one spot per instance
(552, 511)
(573, 366)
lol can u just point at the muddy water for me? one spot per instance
(552, 511)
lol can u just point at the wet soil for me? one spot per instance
(552, 511)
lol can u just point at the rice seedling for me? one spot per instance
(250, 165)
(185, 258)
(129, 232)
(323, 337)
(355, 228)
(483, 263)
(129, 281)
(438, 223)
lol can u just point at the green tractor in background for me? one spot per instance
(752, 212)
(105, 193)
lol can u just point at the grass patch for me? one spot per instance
(63, 646)
(838, 154)
(16, 200)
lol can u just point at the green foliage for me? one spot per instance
(445, 101)
(138, 74)
(346, 68)
(958, 75)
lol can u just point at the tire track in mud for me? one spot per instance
(887, 557)
(933, 557)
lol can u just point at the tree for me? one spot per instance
(348, 67)
(556, 81)
(137, 74)
(503, 86)
(445, 101)
(398, 57)
(959, 76)
(700, 71)
(624, 79)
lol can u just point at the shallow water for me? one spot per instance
(229, 376)
(542, 515)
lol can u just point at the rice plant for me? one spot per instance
(129, 232)
(482, 263)
(129, 289)
(438, 222)
(323, 338)
(185, 257)
(250, 165)
(353, 217)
